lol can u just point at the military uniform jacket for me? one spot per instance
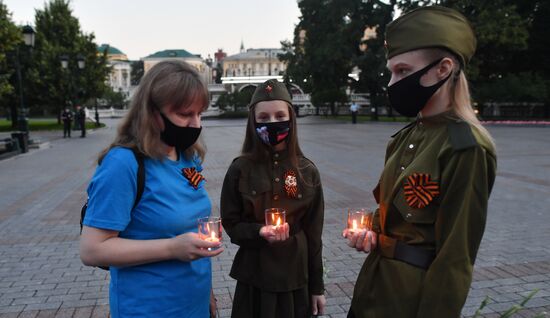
(458, 164)
(251, 187)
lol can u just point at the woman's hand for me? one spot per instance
(274, 234)
(318, 304)
(213, 304)
(188, 247)
(363, 240)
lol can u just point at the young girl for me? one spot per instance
(438, 174)
(159, 266)
(279, 270)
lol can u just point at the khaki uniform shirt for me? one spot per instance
(463, 164)
(251, 187)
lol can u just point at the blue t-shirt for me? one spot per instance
(169, 206)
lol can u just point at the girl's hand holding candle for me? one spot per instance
(276, 228)
(359, 230)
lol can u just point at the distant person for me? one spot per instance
(354, 109)
(438, 174)
(81, 118)
(159, 266)
(67, 118)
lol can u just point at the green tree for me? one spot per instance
(320, 53)
(137, 72)
(10, 38)
(114, 99)
(58, 34)
(371, 55)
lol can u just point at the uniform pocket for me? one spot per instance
(425, 215)
(254, 187)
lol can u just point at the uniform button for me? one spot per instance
(420, 124)
(277, 179)
(276, 162)
(299, 196)
(276, 155)
(253, 192)
(402, 168)
(409, 215)
(276, 197)
(411, 146)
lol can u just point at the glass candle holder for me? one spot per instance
(210, 229)
(275, 217)
(359, 219)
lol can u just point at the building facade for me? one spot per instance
(182, 55)
(119, 78)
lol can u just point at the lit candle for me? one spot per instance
(358, 219)
(212, 237)
(275, 217)
(210, 230)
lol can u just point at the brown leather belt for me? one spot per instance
(412, 255)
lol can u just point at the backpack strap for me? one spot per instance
(140, 176)
(140, 185)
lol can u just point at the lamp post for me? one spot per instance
(22, 121)
(80, 62)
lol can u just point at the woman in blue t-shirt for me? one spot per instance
(159, 266)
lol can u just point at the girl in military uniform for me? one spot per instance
(279, 271)
(438, 174)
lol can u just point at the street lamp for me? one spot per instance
(81, 64)
(22, 122)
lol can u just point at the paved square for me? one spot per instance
(41, 194)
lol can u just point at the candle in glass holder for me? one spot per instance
(358, 220)
(210, 229)
(275, 217)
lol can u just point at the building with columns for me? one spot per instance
(182, 55)
(254, 62)
(119, 78)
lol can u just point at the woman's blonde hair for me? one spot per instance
(166, 84)
(461, 101)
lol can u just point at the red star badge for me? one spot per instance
(268, 88)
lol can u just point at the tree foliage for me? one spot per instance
(10, 38)
(510, 64)
(58, 34)
(137, 72)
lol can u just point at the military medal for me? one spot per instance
(291, 184)
(193, 176)
(420, 190)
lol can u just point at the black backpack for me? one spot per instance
(140, 187)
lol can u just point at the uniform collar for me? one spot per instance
(444, 117)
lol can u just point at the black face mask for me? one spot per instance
(179, 137)
(408, 96)
(273, 133)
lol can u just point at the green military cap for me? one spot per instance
(433, 26)
(270, 90)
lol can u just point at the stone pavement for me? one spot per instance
(42, 191)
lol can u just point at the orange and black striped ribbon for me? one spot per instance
(193, 176)
(420, 190)
(291, 184)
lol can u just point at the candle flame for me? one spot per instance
(278, 221)
(213, 235)
(354, 226)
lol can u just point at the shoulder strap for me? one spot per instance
(140, 176)
(461, 135)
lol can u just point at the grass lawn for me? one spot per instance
(41, 124)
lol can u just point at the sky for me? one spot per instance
(142, 27)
